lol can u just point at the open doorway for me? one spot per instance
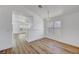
(21, 29)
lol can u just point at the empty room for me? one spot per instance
(39, 29)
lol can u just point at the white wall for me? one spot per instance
(37, 30)
(69, 31)
(5, 28)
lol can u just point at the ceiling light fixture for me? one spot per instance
(40, 6)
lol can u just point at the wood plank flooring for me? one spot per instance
(6, 51)
(42, 46)
(48, 46)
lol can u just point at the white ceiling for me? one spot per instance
(43, 12)
(54, 10)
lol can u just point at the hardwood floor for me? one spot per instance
(48, 46)
(6, 51)
(42, 46)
